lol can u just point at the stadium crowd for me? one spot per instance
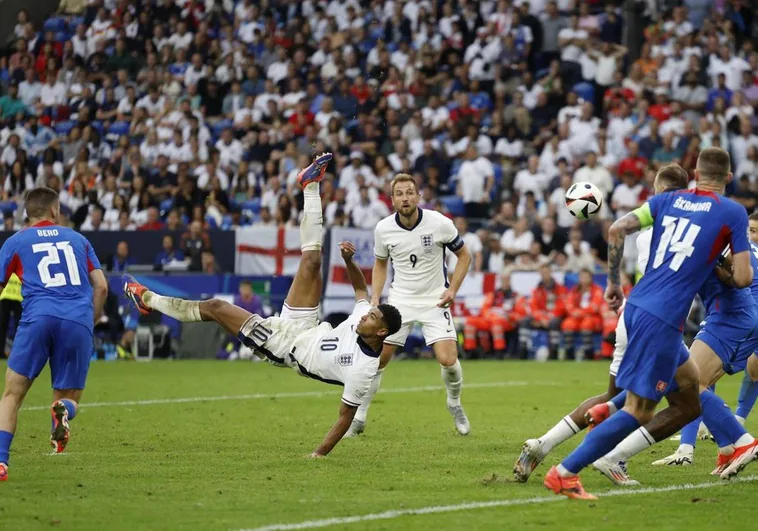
(172, 114)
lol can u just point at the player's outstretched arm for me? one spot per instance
(354, 272)
(337, 432)
(459, 273)
(99, 292)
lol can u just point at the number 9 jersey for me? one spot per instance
(53, 264)
(691, 228)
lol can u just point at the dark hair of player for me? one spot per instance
(391, 317)
(403, 178)
(714, 164)
(753, 216)
(673, 177)
(39, 201)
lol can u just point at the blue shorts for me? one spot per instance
(732, 335)
(654, 352)
(66, 344)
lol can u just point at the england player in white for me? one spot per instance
(347, 355)
(534, 451)
(416, 240)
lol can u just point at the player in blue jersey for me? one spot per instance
(64, 291)
(690, 229)
(534, 451)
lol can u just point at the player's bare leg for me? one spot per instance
(304, 293)
(534, 451)
(64, 408)
(446, 352)
(358, 425)
(16, 387)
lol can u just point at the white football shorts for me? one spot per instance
(436, 323)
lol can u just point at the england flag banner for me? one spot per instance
(267, 251)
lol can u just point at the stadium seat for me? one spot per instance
(74, 22)
(585, 91)
(119, 128)
(62, 36)
(63, 128)
(98, 125)
(55, 24)
(454, 204)
(166, 205)
(8, 206)
(254, 205)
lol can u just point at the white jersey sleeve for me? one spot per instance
(380, 247)
(450, 237)
(644, 240)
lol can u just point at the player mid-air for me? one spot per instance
(347, 355)
(669, 178)
(64, 291)
(416, 240)
(690, 230)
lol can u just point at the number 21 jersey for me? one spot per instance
(53, 264)
(418, 256)
(690, 230)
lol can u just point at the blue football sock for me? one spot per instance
(746, 398)
(689, 432)
(600, 441)
(71, 407)
(619, 400)
(6, 438)
(719, 419)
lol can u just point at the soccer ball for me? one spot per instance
(584, 200)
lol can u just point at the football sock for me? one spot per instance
(559, 433)
(179, 309)
(600, 441)
(453, 378)
(312, 222)
(617, 402)
(721, 422)
(6, 438)
(746, 398)
(376, 381)
(71, 406)
(689, 433)
(636, 442)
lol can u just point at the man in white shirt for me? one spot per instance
(177, 151)
(626, 196)
(530, 90)
(592, 173)
(230, 150)
(277, 71)
(29, 90)
(741, 143)
(326, 113)
(730, 65)
(476, 178)
(153, 102)
(572, 41)
(270, 94)
(530, 179)
(518, 239)
(583, 132)
(435, 115)
(182, 38)
(367, 212)
(474, 244)
(52, 93)
(349, 174)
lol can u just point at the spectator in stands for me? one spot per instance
(169, 255)
(499, 317)
(594, 173)
(95, 220)
(194, 242)
(518, 239)
(475, 182)
(545, 312)
(153, 221)
(474, 244)
(368, 212)
(584, 305)
(120, 261)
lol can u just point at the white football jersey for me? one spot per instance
(339, 356)
(644, 240)
(417, 255)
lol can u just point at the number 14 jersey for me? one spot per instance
(53, 264)
(690, 230)
(418, 256)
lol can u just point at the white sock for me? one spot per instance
(636, 442)
(727, 450)
(745, 439)
(313, 221)
(179, 309)
(563, 472)
(559, 433)
(376, 381)
(741, 420)
(686, 449)
(611, 407)
(453, 378)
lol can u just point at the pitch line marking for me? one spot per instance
(397, 513)
(303, 394)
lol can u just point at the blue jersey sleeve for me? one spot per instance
(9, 261)
(92, 261)
(739, 229)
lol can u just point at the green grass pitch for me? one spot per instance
(137, 461)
